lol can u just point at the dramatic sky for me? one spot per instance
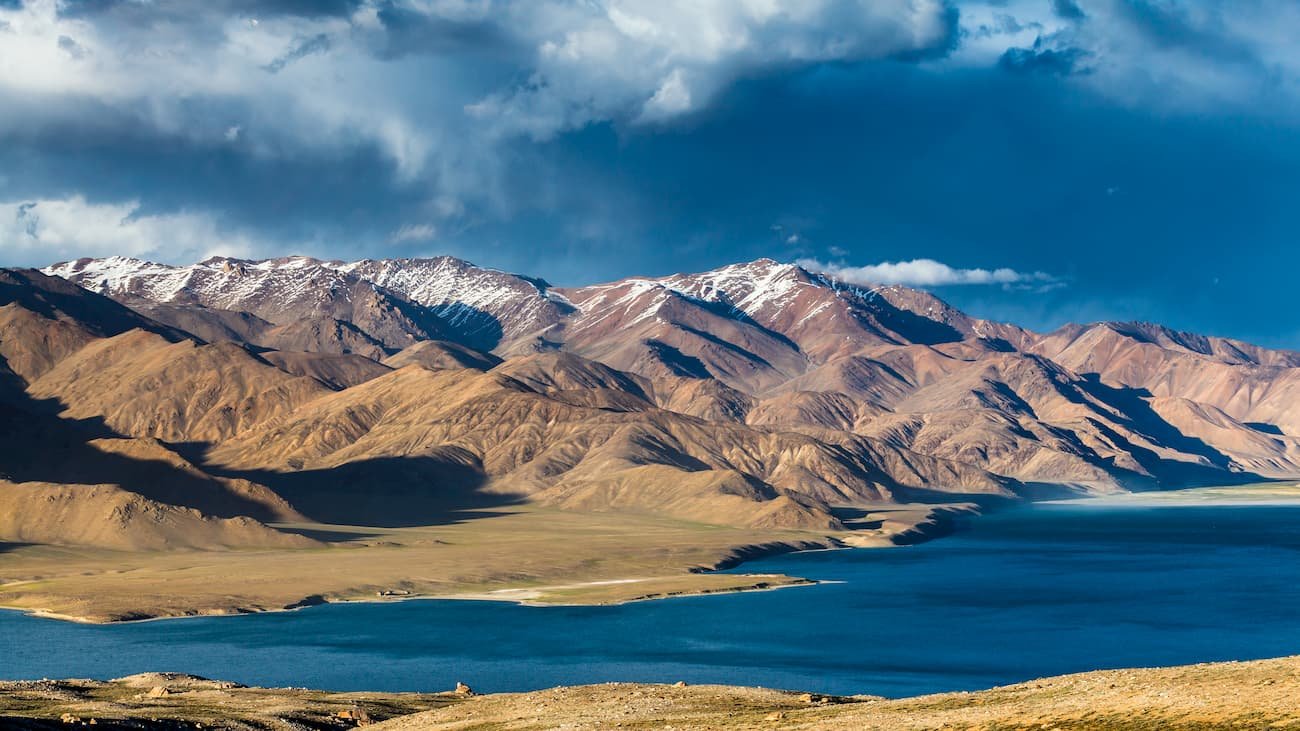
(1032, 160)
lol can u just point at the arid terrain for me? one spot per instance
(239, 436)
(1253, 695)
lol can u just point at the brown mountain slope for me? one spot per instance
(441, 355)
(338, 371)
(323, 335)
(559, 372)
(214, 325)
(702, 397)
(143, 466)
(31, 344)
(647, 327)
(526, 442)
(1253, 450)
(828, 410)
(1023, 448)
(1251, 384)
(1137, 446)
(281, 291)
(210, 324)
(142, 385)
(485, 309)
(1107, 340)
(41, 447)
(106, 516)
(43, 319)
(766, 348)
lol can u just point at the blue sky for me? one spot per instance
(1039, 161)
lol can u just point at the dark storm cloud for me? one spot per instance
(409, 31)
(306, 8)
(254, 8)
(1120, 151)
(1063, 61)
(943, 45)
(319, 43)
(1068, 9)
(71, 47)
(1171, 26)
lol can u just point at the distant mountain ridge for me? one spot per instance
(757, 394)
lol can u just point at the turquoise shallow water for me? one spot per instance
(1020, 594)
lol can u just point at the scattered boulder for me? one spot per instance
(355, 714)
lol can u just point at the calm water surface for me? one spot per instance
(1040, 591)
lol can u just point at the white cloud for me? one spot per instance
(287, 82)
(581, 61)
(40, 232)
(414, 232)
(673, 97)
(929, 273)
(281, 85)
(439, 107)
(652, 60)
(1173, 55)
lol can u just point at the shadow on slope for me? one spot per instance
(1135, 406)
(726, 310)
(677, 362)
(913, 327)
(54, 298)
(469, 325)
(928, 496)
(386, 492)
(41, 446)
(1131, 409)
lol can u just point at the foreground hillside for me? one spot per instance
(1251, 695)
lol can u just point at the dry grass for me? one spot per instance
(1256, 695)
(533, 554)
(166, 700)
(1253, 695)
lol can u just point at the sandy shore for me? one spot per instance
(1279, 494)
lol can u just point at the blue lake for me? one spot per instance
(1037, 591)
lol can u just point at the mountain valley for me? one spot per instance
(207, 407)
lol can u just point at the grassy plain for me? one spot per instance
(515, 553)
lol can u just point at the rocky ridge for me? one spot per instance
(757, 395)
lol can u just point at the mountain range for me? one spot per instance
(202, 402)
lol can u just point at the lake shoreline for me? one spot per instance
(982, 591)
(901, 526)
(908, 526)
(530, 596)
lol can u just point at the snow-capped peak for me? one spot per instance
(749, 287)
